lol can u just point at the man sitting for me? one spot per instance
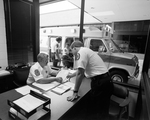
(41, 71)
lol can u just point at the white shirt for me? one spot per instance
(37, 72)
(91, 62)
(55, 46)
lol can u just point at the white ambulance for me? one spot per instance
(122, 66)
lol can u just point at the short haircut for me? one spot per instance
(67, 61)
(58, 38)
(41, 56)
(76, 43)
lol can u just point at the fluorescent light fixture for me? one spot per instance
(102, 13)
(55, 7)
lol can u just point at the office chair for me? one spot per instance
(20, 76)
(119, 103)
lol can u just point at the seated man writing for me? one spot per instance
(41, 71)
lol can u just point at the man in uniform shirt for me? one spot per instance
(41, 71)
(91, 65)
(55, 51)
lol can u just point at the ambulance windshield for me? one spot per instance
(112, 46)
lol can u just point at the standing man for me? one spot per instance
(41, 71)
(91, 65)
(55, 51)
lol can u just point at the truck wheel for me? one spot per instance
(119, 76)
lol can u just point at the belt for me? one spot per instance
(101, 76)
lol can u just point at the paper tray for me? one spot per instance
(18, 116)
(26, 114)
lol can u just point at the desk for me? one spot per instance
(59, 105)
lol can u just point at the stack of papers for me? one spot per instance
(26, 90)
(28, 102)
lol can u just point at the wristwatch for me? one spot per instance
(75, 91)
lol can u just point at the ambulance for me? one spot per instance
(122, 66)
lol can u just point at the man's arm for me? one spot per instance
(79, 78)
(49, 80)
(70, 75)
(54, 72)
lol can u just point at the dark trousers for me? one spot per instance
(99, 98)
(54, 60)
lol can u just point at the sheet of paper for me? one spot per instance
(61, 89)
(46, 86)
(58, 90)
(26, 90)
(70, 84)
(63, 73)
(28, 102)
(72, 71)
(63, 86)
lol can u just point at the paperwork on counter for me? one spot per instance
(26, 90)
(47, 86)
(53, 85)
(28, 102)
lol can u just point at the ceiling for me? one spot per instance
(98, 11)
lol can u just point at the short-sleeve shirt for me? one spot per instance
(37, 72)
(55, 46)
(91, 62)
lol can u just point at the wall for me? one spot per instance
(3, 46)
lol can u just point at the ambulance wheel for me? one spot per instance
(119, 76)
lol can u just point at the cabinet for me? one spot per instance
(6, 82)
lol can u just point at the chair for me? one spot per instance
(119, 103)
(20, 76)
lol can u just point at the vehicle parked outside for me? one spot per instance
(122, 65)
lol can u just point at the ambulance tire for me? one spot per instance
(119, 76)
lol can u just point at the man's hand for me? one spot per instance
(59, 79)
(69, 75)
(74, 97)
